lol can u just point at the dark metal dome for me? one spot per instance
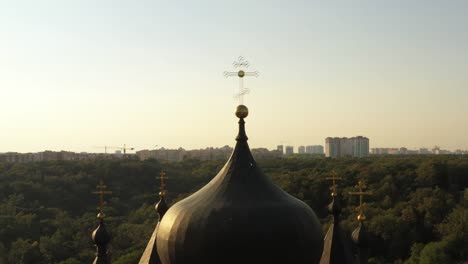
(161, 207)
(240, 216)
(150, 255)
(360, 236)
(337, 245)
(361, 240)
(101, 238)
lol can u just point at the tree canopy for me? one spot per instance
(47, 210)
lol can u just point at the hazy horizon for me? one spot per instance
(129, 150)
(75, 75)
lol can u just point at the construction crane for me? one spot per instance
(124, 148)
(102, 147)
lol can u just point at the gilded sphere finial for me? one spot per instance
(361, 217)
(242, 111)
(100, 215)
(241, 73)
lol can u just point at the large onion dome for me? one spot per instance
(240, 216)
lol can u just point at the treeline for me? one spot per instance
(47, 210)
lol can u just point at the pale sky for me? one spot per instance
(79, 74)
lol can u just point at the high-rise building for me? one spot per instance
(280, 148)
(332, 147)
(424, 151)
(360, 146)
(314, 149)
(289, 150)
(339, 147)
(301, 150)
(387, 151)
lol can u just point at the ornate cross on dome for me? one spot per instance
(334, 177)
(361, 186)
(241, 63)
(162, 187)
(101, 191)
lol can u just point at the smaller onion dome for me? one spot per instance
(334, 208)
(161, 207)
(101, 238)
(360, 235)
(361, 240)
(337, 245)
(150, 255)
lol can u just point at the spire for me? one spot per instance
(334, 208)
(231, 218)
(150, 255)
(336, 246)
(100, 236)
(361, 186)
(242, 112)
(161, 207)
(360, 236)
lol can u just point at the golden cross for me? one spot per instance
(162, 187)
(334, 177)
(101, 191)
(361, 186)
(240, 63)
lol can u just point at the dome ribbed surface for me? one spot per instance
(240, 216)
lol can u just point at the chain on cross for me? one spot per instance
(101, 191)
(241, 63)
(334, 177)
(361, 186)
(162, 186)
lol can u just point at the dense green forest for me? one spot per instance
(47, 210)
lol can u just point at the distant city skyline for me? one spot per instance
(79, 74)
(335, 148)
(309, 149)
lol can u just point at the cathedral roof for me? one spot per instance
(240, 216)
